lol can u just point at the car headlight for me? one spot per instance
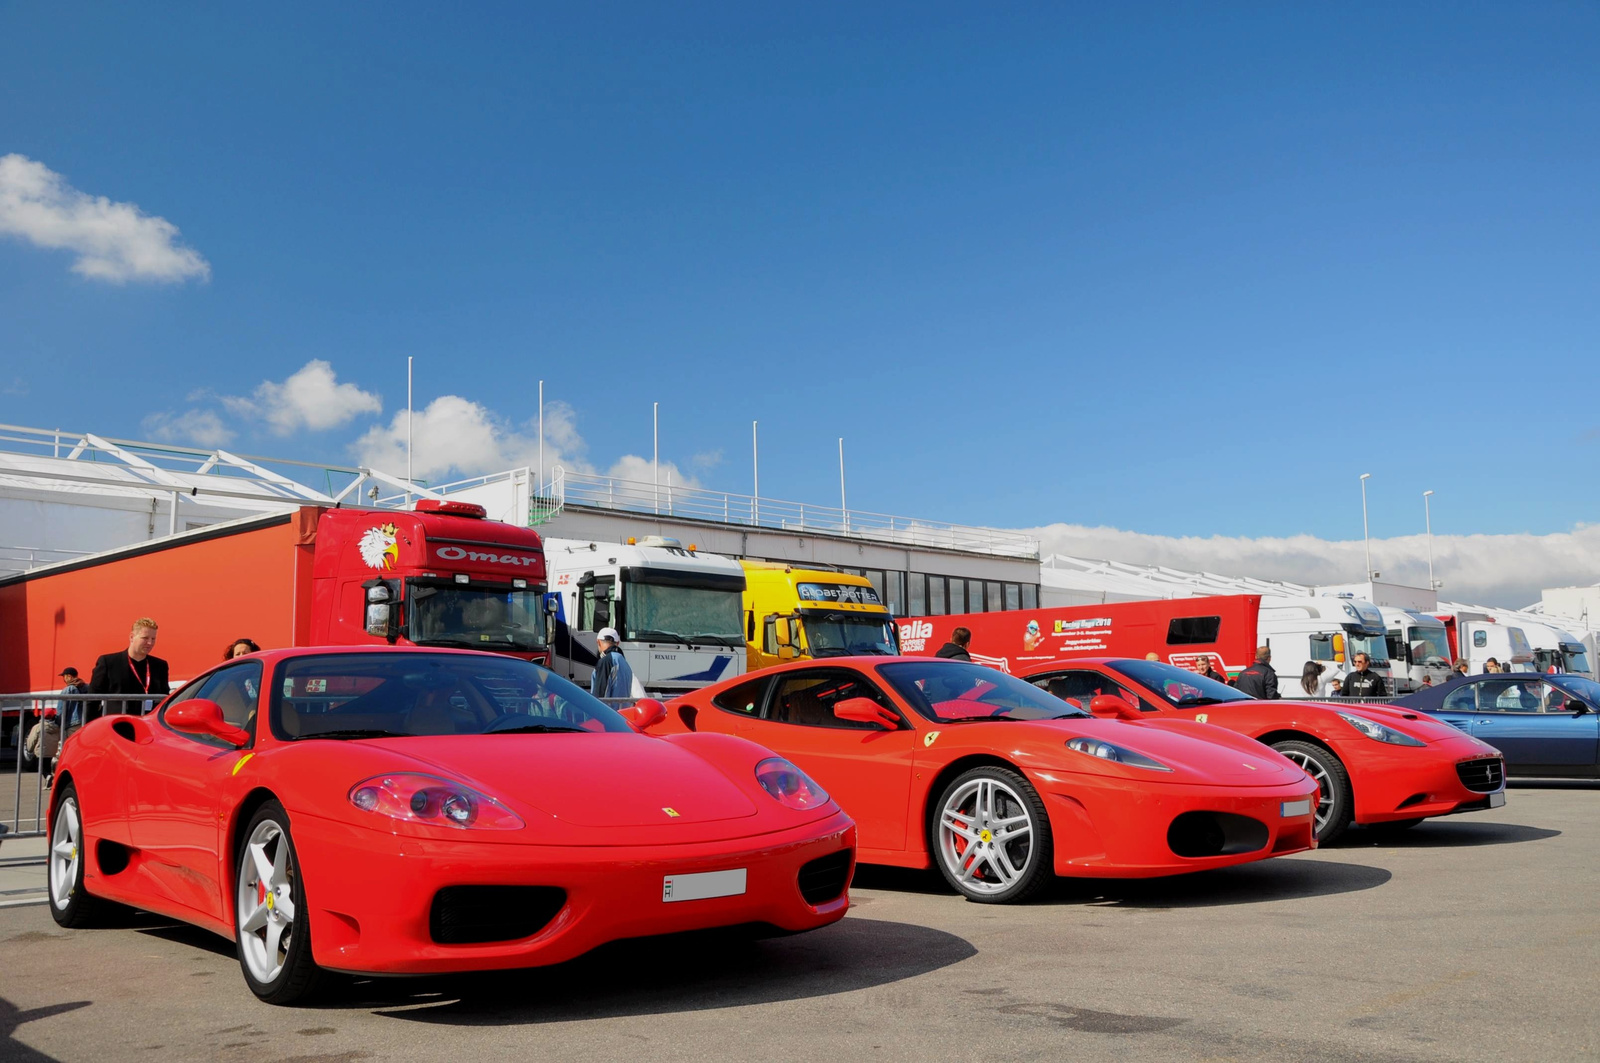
(1094, 747)
(788, 785)
(1378, 732)
(433, 801)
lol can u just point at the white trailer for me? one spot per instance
(680, 612)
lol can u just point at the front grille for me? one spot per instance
(823, 879)
(1482, 776)
(471, 915)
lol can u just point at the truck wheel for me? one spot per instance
(273, 920)
(70, 904)
(991, 837)
(1336, 803)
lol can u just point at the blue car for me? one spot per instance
(1546, 725)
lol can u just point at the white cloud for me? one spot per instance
(200, 427)
(1503, 570)
(114, 242)
(456, 436)
(311, 399)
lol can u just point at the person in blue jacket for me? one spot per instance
(613, 676)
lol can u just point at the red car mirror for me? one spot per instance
(644, 713)
(865, 710)
(201, 716)
(1112, 707)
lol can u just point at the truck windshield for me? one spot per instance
(1375, 647)
(663, 612)
(1577, 661)
(476, 617)
(1428, 645)
(830, 634)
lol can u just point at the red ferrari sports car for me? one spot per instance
(1375, 764)
(403, 811)
(999, 784)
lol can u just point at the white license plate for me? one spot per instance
(699, 887)
(1496, 800)
(1291, 809)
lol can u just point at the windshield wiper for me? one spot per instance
(1205, 701)
(358, 732)
(535, 728)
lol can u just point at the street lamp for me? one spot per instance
(1365, 537)
(1427, 518)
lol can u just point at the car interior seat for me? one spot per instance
(432, 715)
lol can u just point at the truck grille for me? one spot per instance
(823, 879)
(1482, 776)
(472, 915)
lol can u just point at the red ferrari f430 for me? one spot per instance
(402, 811)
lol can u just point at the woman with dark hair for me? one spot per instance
(1310, 678)
(240, 647)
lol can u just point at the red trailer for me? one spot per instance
(437, 576)
(1182, 631)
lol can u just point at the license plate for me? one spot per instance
(706, 884)
(1291, 809)
(1496, 800)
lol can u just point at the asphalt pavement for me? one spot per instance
(1471, 938)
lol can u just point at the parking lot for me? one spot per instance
(1468, 938)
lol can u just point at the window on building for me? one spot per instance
(936, 605)
(995, 596)
(958, 596)
(1030, 596)
(1013, 596)
(895, 599)
(916, 594)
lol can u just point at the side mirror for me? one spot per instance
(644, 713)
(865, 710)
(1111, 707)
(200, 716)
(1576, 707)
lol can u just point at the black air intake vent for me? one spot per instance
(823, 879)
(471, 915)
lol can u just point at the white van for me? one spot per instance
(680, 612)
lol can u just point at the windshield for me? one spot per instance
(1429, 645)
(476, 617)
(1587, 689)
(1179, 687)
(1577, 660)
(1375, 647)
(684, 614)
(381, 695)
(848, 634)
(954, 691)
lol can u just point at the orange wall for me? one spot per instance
(200, 593)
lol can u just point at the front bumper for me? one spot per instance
(370, 893)
(1394, 783)
(1106, 828)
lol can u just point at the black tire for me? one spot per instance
(1337, 807)
(983, 878)
(280, 946)
(70, 904)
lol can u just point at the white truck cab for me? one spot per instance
(1554, 650)
(1328, 629)
(1478, 637)
(680, 612)
(1419, 649)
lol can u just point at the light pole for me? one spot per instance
(844, 508)
(755, 468)
(1365, 537)
(655, 460)
(1427, 518)
(408, 430)
(541, 437)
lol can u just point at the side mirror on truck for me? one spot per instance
(380, 610)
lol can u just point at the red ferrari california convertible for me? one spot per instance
(1001, 785)
(1375, 764)
(401, 811)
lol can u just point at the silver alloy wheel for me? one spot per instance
(65, 851)
(986, 836)
(266, 901)
(1319, 774)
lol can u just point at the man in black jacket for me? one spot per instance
(1259, 680)
(130, 671)
(1363, 682)
(1209, 670)
(956, 648)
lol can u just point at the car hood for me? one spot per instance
(1413, 722)
(587, 780)
(1193, 758)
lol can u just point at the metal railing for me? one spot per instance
(669, 500)
(23, 558)
(25, 796)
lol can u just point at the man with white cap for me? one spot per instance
(613, 677)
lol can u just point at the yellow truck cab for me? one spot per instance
(793, 613)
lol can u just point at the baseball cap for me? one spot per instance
(73, 672)
(610, 633)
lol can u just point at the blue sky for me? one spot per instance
(1182, 270)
